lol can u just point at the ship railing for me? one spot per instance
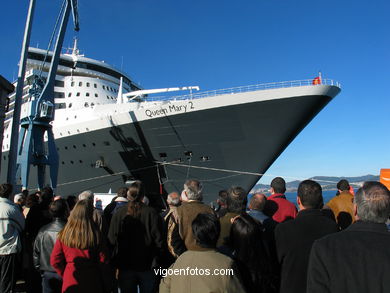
(249, 88)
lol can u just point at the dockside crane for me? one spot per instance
(41, 110)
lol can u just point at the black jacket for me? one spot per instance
(44, 243)
(137, 242)
(356, 260)
(293, 244)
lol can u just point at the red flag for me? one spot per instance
(317, 80)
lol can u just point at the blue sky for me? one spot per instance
(218, 44)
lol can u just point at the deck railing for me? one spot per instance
(249, 88)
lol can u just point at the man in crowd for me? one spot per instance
(44, 243)
(20, 201)
(342, 205)
(294, 238)
(97, 214)
(185, 214)
(11, 227)
(113, 206)
(211, 267)
(277, 205)
(356, 260)
(221, 201)
(236, 204)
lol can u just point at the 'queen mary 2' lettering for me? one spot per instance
(170, 109)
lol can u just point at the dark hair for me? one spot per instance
(246, 239)
(236, 200)
(5, 190)
(206, 229)
(222, 196)
(47, 196)
(59, 209)
(71, 200)
(135, 193)
(343, 185)
(32, 199)
(373, 202)
(310, 194)
(122, 192)
(279, 185)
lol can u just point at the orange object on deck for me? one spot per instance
(317, 80)
(385, 177)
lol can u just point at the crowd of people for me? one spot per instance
(268, 244)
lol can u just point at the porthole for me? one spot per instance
(87, 94)
(80, 161)
(84, 145)
(74, 146)
(70, 94)
(71, 162)
(63, 163)
(96, 95)
(94, 144)
(72, 83)
(95, 85)
(68, 132)
(87, 84)
(77, 94)
(66, 147)
(80, 83)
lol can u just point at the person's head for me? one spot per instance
(257, 202)
(372, 202)
(122, 192)
(173, 199)
(193, 189)
(135, 194)
(5, 190)
(19, 199)
(87, 195)
(222, 196)
(81, 231)
(47, 196)
(236, 200)
(59, 209)
(310, 195)
(71, 200)
(246, 240)
(278, 185)
(31, 200)
(343, 185)
(206, 229)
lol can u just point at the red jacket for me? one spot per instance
(283, 209)
(78, 268)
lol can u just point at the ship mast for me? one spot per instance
(31, 148)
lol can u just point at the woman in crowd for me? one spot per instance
(251, 255)
(78, 255)
(135, 234)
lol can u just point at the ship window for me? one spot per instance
(77, 94)
(61, 133)
(71, 162)
(108, 97)
(84, 145)
(96, 95)
(86, 104)
(87, 94)
(94, 144)
(60, 105)
(87, 84)
(66, 147)
(63, 163)
(59, 95)
(68, 132)
(104, 87)
(106, 143)
(59, 83)
(80, 83)
(75, 117)
(74, 146)
(70, 94)
(92, 104)
(95, 85)
(70, 105)
(78, 130)
(87, 129)
(3, 157)
(80, 161)
(72, 83)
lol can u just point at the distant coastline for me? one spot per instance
(327, 183)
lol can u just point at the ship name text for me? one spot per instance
(183, 108)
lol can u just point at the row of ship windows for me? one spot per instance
(105, 143)
(87, 95)
(105, 87)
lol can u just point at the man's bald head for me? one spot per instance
(173, 199)
(257, 202)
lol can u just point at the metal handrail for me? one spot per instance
(243, 89)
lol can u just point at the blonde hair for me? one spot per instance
(80, 231)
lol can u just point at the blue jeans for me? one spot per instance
(51, 282)
(129, 280)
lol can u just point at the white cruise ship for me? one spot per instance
(107, 134)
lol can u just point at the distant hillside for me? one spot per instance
(327, 182)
